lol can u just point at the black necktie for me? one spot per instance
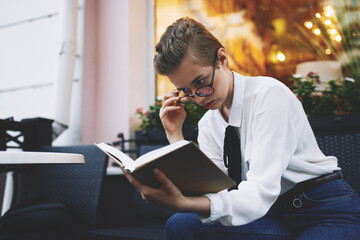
(232, 154)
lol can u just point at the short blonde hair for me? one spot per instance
(182, 36)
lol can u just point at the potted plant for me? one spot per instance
(336, 107)
(333, 34)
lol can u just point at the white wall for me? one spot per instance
(117, 75)
(29, 57)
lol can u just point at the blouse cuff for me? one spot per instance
(216, 206)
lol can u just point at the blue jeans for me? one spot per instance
(331, 211)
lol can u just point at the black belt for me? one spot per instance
(312, 183)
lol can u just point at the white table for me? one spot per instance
(23, 158)
(10, 160)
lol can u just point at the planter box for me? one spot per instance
(158, 136)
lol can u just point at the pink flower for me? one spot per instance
(147, 113)
(310, 74)
(139, 110)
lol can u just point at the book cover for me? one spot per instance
(182, 162)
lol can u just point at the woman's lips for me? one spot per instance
(209, 104)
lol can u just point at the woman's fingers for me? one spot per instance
(161, 177)
(167, 195)
(170, 98)
(168, 110)
(133, 181)
(169, 106)
(170, 101)
(173, 93)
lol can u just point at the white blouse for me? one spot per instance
(278, 149)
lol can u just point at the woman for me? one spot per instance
(287, 188)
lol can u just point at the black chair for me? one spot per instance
(56, 201)
(129, 217)
(339, 136)
(346, 147)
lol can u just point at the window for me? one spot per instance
(260, 36)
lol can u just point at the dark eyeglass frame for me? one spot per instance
(199, 93)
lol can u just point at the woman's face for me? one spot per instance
(191, 74)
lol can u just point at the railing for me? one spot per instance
(28, 134)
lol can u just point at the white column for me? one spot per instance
(67, 56)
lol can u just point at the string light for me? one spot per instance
(329, 11)
(281, 57)
(317, 31)
(333, 31)
(329, 21)
(308, 24)
(276, 55)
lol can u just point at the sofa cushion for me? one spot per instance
(45, 217)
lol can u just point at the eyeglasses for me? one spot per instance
(203, 91)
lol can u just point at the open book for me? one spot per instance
(182, 162)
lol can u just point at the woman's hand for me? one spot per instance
(169, 196)
(172, 116)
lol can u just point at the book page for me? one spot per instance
(148, 157)
(127, 162)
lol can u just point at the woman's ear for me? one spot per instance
(221, 54)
